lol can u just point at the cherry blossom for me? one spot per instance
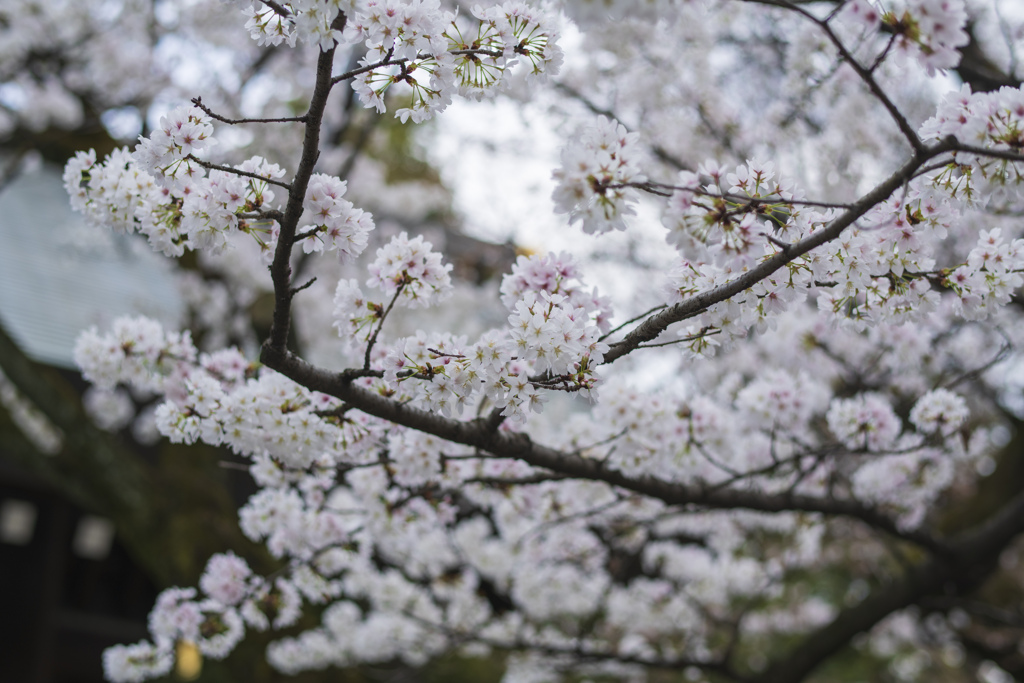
(805, 369)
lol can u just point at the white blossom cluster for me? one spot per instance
(593, 180)
(136, 351)
(234, 599)
(713, 221)
(337, 224)
(167, 153)
(939, 411)
(436, 54)
(409, 271)
(868, 373)
(882, 270)
(307, 21)
(553, 341)
(515, 29)
(163, 191)
(337, 518)
(554, 329)
(989, 120)
(991, 275)
(929, 31)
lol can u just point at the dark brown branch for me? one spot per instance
(631, 321)
(280, 268)
(380, 325)
(236, 171)
(269, 215)
(752, 202)
(515, 481)
(864, 73)
(278, 8)
(198, 101)
(682, 340)
(971, 559)
(694, 305)
(1007, 154)
(477, 433)
(389, 61)
(306, 285)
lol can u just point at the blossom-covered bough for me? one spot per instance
(847, 356)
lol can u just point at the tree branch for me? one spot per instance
(476, 433)
(280, 268)
(865, 74)
(972, 557)
(237, 171)
(656, 324)
(198, 101)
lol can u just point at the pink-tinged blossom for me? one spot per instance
(182, 132)
(412, 44)
(396, 532)
(136, 663)
(862, 13)
(175, 208)
(990, 276)
(176, 616)
(409, 268)
(276, 605)
(226, 578)
(136, 351)
(866, 421)
(221, 630)
(596, 168)
(930, 31)
(908, 482)
(111, 410)
(355, 315)
(717, 222)
(267, 27)
(404, 31)
(336, 225)
(941, 411)
(778, 400)
(520, 32)
(990, 120)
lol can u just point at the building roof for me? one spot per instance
(59, 276)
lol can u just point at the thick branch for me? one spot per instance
(972, 558)
(280, 269)
(519, 446)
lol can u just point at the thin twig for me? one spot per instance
(631, 321)
(380, 325)
(399, 61)
(865, 75)
(198, 101)
(306, 285)
(654, 188)
(681, 340)
(236, 171)
(269, 214)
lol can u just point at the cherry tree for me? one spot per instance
(762, 447)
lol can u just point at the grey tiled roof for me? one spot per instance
(59, 276)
